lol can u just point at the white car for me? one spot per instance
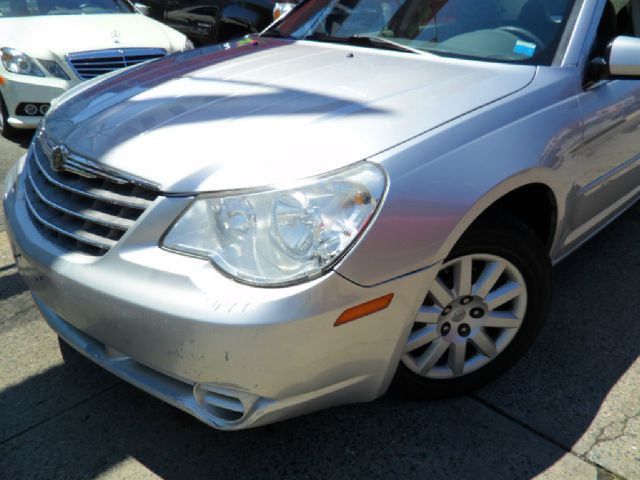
(48, 46)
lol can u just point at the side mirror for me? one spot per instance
(142, 8)
(624, 57)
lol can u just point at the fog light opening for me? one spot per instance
(30, 109)
(223, 404)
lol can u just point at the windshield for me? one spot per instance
(519, 31)
(30, 8)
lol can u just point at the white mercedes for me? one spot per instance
(48, 46)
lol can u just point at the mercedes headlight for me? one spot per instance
(17, 62)
(282, 235)
(54, 69)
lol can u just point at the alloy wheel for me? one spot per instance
(474, 309)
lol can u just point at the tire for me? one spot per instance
(6, 130)
(494, 335)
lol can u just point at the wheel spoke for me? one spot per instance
(441, 292)
(421, 337)
(457, 352)
(488, 278)
(485, 299)
(428, 314)
(502, 320)
(431, 356)
(462, 277)
(484, 344)
(502, 295)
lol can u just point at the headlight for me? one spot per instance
(17, 62)
(281, 236)
(188, 45)
(54, 69)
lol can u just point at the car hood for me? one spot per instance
(62, 34)
(269, 111)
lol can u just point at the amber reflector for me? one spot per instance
(364, 309)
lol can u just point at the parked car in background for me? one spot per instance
(367, 191)
(214, 21)
(48, 46)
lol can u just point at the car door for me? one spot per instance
(608, 173)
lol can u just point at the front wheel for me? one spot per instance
(483, 310)
(6, 130)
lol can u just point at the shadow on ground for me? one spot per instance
(21, 138)
(11, 285)
(589, 342)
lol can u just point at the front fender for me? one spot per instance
(441, 182)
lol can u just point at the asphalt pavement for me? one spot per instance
(569, 410)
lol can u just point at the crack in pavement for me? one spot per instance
(603, 472)
(602, 436)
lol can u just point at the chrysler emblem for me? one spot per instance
(58, 158)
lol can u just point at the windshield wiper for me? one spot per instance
(276, 34)
(364, 41)
(382, 42)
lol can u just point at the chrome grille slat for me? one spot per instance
(87, 65)
(81, 188)
(56, 200)
(84, 208)
(78, 235)
(112, 60)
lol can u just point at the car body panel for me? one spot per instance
(96, 31)
(284, 85)
(200, 307)
(472, 163)
(609, 156)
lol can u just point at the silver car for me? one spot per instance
(368, 191)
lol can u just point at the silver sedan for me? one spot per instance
(368, 191)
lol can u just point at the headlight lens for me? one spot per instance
(17, 62)
(281, 236)
(54, 69)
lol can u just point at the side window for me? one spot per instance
(607, 31)
(628, 16)
(624, 16)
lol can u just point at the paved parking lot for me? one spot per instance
(569, 409)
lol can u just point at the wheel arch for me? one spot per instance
(529, 198)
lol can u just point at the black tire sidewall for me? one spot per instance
(514, 242)
(6, 130)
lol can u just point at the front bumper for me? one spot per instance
(17, 89)
(232, 355)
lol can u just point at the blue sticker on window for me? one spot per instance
(524, 48)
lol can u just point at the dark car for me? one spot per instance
(213, 21)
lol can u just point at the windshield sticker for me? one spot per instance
(524, 48)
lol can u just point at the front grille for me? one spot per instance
(88, 65)
(87, 215)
